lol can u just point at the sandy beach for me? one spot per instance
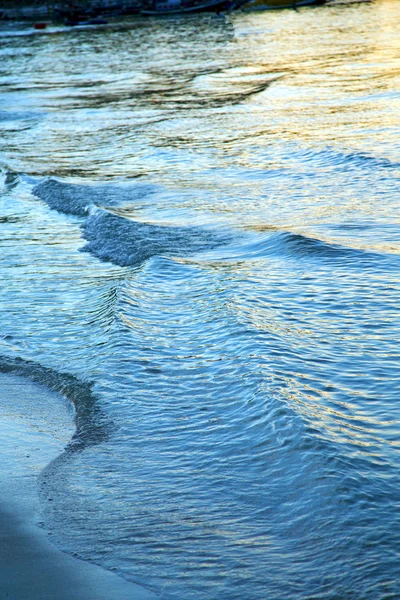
(33, 569)
(36, 423)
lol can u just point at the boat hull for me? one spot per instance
(255, 5)
(174, 7)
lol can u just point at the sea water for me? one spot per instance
(200, 249)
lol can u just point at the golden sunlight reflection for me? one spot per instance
(341, 421)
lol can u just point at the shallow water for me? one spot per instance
(200, 248)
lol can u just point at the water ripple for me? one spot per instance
(235, 313)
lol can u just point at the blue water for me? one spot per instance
(200, 248)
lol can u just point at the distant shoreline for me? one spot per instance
(15, 4)
(29, 10)
(32, 10)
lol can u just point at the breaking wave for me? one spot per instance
(126, 243)
(78, 199)
(117, 239)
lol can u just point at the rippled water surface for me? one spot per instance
(200, 247)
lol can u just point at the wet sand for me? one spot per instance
(31, 567)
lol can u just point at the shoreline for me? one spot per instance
(11, 10)
(25, 13)
(31, 566)
(53, 11)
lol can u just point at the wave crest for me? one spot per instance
(77, 199)
(126, 243)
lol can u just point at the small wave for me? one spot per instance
(8, 178)
(76, 199)
(10, 219)
(22, 115)
(349, 160)
(69, 199)
(92, 426)
(303, 245)
(11, 179)
(280, 243)
(126, 243)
